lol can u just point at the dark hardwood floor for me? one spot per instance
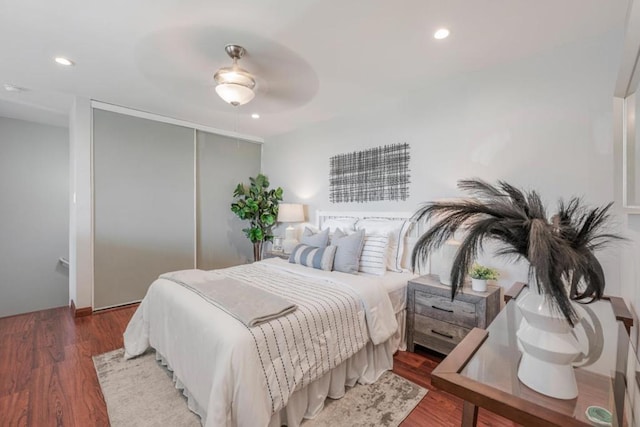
(437, 408)
(47, 376)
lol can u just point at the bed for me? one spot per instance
(345, 331)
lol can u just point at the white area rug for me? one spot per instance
(140, 392)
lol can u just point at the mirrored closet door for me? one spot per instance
(162, 197)
(222, 162)
(143, 204)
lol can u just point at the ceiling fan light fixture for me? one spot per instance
(235, 85)
(234, 94)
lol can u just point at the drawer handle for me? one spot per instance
(442, 334)
(441, 309)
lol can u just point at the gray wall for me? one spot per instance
(543, 123)
(34, 216)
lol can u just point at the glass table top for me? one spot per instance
(612, 363)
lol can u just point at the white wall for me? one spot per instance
(80, 205)
(630, 220)
(544, 123)
(34, 170)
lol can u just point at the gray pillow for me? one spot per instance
(349, 247)
(319, 240)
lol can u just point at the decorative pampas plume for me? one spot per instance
(559, 251)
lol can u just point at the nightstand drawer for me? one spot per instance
(442, 308)
(275, 254)
(438, 335)
(436, 322)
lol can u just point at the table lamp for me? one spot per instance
(290, 212)
(448, 253)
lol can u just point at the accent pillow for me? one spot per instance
(396, 230)
(373, 259)
(319, 240)
(345, 224)
(311, 256)
(349, 249)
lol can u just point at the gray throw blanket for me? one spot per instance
(250, 305)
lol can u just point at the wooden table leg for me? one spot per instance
(469, 414)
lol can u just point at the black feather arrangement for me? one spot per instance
(559, 251)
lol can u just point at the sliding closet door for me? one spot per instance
(222, 162)
(143, 204)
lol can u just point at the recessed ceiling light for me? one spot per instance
(442, 33)
(63, 61)
(13, 88)
(255, 116)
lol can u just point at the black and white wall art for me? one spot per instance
(380, 173)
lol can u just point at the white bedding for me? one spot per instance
(215, 359)
(395, 284)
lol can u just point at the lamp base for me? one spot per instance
(290, 241)
(447, 255)
(289, 245)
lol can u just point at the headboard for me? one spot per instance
(414, 232)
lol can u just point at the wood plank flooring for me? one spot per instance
(47, 376)
(438, 408)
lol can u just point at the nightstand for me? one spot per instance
(274, 254)
(436, 322)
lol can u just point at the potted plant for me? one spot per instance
(259, 205)
(562, 265)
(479, 276)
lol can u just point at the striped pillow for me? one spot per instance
(396, 229)
(311, 256)
(373, 259)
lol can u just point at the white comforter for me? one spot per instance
(218, 359)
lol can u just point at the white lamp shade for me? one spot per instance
(234, 94)
(290, 212)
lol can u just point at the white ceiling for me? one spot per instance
(314, 59)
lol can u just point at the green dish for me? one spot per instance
(598, 415)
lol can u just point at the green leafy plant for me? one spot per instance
(257, 204)
(560, 251)
(483, 273)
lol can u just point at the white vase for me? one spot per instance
(479, 285)
(549, 347)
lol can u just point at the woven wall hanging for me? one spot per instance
(380, 173)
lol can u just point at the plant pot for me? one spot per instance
(257, 251)
(549, 347)
(479, 285)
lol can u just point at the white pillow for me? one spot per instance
(396, 230)
(346, 224)
(373, 259)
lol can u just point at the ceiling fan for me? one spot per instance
(235, 84)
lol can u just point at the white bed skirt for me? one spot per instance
(364, 367)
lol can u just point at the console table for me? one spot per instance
(482, 370)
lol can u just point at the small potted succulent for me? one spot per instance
(479, 276)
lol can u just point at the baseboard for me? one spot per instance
(79, 312)
(116, 307)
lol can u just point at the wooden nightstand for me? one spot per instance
(436, 322)
(272, 254)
